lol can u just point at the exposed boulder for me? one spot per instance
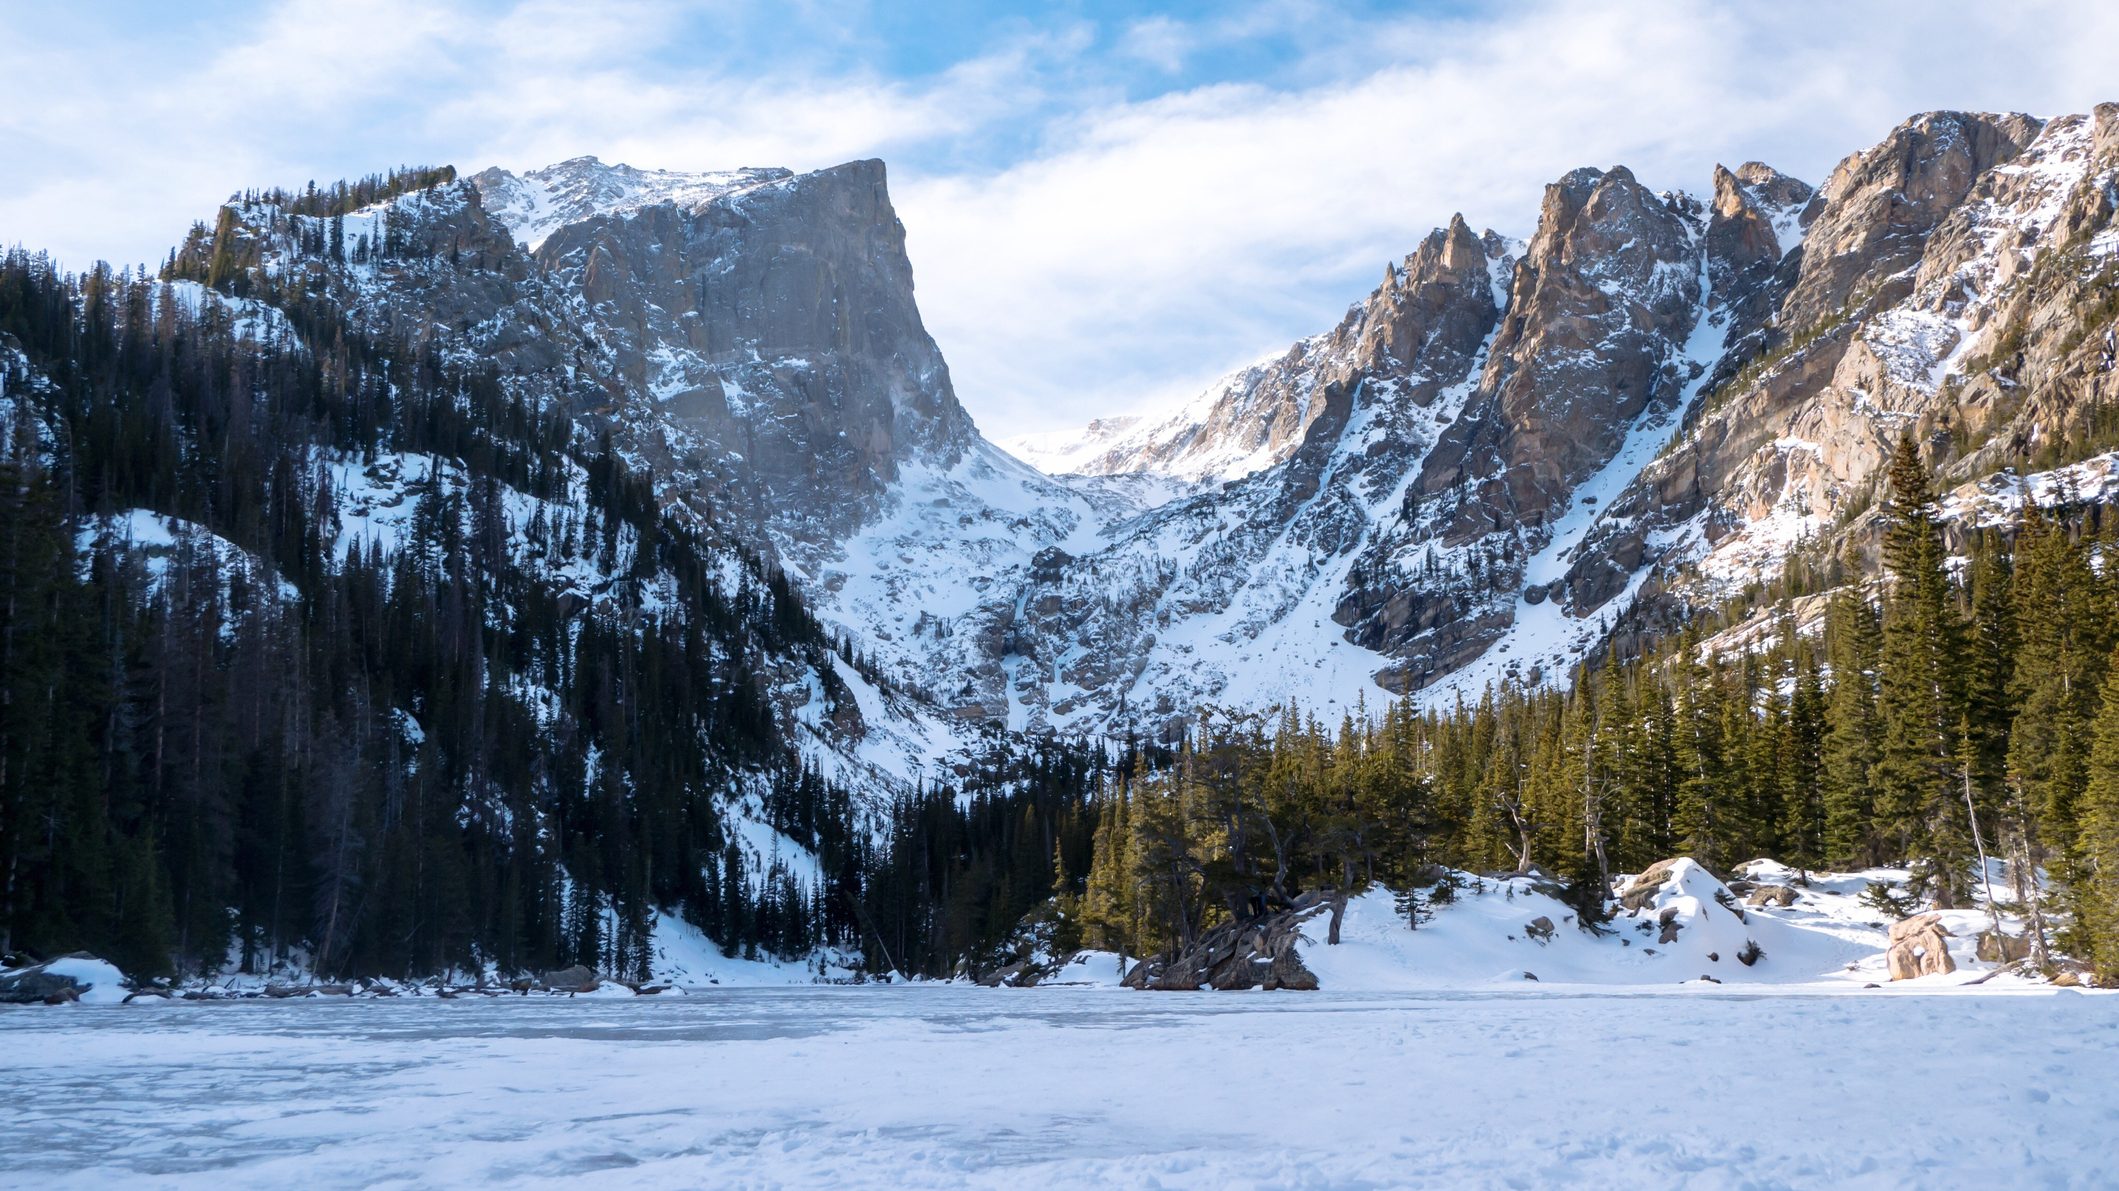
(1669, 924)
(576, 979)
(1771, 895)
(2003, 948)
(1019, 973)
(1642, 890)
(1920, 946)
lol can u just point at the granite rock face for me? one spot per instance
(1879, 206)
(1981, 327)
(767, 335)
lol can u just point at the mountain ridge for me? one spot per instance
(1469, 479)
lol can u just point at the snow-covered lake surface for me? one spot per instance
(951, 1086)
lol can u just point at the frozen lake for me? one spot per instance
(954, 1086)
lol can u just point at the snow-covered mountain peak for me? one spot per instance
(1258, 416)
(1065, 452)
(538, 202)
(1488, 467)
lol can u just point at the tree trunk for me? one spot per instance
(1339, 898)
(1979, 845)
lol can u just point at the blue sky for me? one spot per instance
(1107, 204)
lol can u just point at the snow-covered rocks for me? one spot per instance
(1688, 905)
(1676, 924)
(1090, 969)
(79, 977)
(538, 202)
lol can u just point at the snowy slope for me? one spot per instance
(1237, 425)
(538, 202)
(1828, 941)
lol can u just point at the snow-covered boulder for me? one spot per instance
(78, 977)
(1691, 908)
(1090, 969)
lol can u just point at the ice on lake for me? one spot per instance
(949, 1086)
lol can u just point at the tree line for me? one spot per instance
(269, 740)
(1959, 707)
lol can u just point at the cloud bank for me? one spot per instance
(1104, 212)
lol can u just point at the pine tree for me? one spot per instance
(2058, 665)
(1920, 686)
(2097, 869)
(1850, 748)
(1703, 794)
(1806, 823)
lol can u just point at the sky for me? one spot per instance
(1107, 205)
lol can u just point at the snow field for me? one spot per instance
(935, 1087)
(1828, 941)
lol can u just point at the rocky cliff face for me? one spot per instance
(1678, 392)
(763, 334)
(1984, 330)
(1500, 457)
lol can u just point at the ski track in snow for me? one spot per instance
(928, 1087)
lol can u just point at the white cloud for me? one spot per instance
(1158, 41)
(1078, 252)
(323, 89)
(1157, 243)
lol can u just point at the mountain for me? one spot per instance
(1663, 398)
(632, 519)
(1956, 285)
(363, 618)
(1503, 456)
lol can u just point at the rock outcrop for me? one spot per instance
(2003, 948)
(37, 985)
(1920, 946)
(1647, 885)
(1770, 895)
(766, 337)
(576, 979)
(62, 981)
